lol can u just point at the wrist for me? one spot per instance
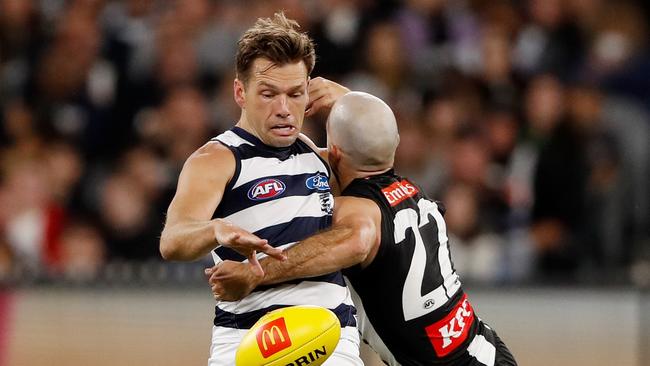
(260, 280)
(254, 280)
(219, 228)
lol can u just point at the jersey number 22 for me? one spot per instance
(414, 303)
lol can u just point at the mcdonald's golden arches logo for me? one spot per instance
(273, 337)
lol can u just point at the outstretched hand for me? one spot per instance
(246, 244)
(323, 93)
(231, 281)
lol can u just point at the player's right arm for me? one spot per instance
(190, 232)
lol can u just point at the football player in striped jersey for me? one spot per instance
(261, 187)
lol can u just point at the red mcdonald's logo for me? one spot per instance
(273, 337)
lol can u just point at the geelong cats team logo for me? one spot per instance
(265, 189)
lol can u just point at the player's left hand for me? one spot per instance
(245, 243)
(323, 93)
(231, 281)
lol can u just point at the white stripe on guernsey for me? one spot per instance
(258, 167)
(323, 294)
(368, 332)
(482, 350)
(232, 139)
(275, 212)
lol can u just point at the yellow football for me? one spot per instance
(291, 336)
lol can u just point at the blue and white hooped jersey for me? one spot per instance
(282, 195)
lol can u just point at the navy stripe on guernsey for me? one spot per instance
(298, 229)
(295, 186)
(247, 320)
(295, 209)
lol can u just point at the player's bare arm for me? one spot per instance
(353, 239)
(323, 93)
(190, 232)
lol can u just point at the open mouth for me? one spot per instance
(283, 129)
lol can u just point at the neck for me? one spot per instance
(244, 125)
(346, 175)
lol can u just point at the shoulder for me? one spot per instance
(364, 188)
(319, 150)
(211, 152)
(213, 158)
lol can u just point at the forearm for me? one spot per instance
(323, 253)
(188, 241)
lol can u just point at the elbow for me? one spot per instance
(168, 250)
(358, 253)
(166, 254)
(361, 244)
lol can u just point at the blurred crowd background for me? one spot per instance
(529, 120)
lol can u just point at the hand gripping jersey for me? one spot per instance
(414, 311)
(282, 195)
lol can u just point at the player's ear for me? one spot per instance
(239, 92)
(334, 154)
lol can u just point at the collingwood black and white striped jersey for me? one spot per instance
(282, 195)
(412, 309)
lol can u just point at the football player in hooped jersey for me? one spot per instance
(262, 182)
(393, 241)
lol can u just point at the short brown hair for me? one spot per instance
(277, 40)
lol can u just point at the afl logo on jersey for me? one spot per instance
(318, 182)
(265, 189)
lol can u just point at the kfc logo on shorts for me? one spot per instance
(451, 331)
(265, 189)
(273, 337)
(318, 182)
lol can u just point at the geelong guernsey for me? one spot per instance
(282, 195)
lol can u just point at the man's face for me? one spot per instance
(275, 99)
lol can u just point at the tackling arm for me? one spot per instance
(354, 238)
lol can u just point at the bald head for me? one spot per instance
(363, 127)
